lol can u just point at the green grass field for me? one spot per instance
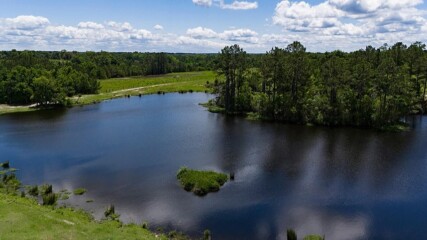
(172, 82)
(23, 218)
(190, 80)
(121, 87)
(6, 109)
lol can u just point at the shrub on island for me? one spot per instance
(201, 182)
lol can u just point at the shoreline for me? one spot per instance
(18, 213)
(175, 85)
(86, 100)
(251, 116)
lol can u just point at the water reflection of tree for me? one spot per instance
(336, 157)
(231, 142)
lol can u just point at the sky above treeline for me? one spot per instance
(206, 26)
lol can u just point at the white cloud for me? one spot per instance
(240, 35)
(91, 25)
(201, 32)
(364, 6)
(239, 5)
(205, 3)
(141, 34)
(121, 27)
(25, 22)
(193, 42)
(359, 22)
(158, 27)
(322, 27)
(301, 16)
(38, 33)
(235, 5)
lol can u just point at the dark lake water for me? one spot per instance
(342, 183)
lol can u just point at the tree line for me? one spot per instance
(365, 88)
(28, 77)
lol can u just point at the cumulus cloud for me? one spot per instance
(158, 27)
(201, 32)
(363, 15)
(205, 3)
(301, 16)
(240, 35)
(235, 5)
(25, 22)
(38, 33)
(121, 27)
(239, 5)
(91, 25)
(326, 26)
(362, 22)
(364, 6)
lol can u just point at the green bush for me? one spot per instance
(144, 225)
(10, 183)
(5, 165)
(79, 191)
(64, 194)
(45, 189)
(110, 213)
(33, 191)
(49, 199)
(207, 235)
(201, 182)
(313, 237)
(172, 234)
(291, 235)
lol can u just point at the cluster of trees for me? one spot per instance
(49, 77)
(25, 85)
(370, 87)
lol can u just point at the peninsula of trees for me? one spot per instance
(366, 88)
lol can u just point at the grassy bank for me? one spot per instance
(23, 218)
(32, 212)
(134, 86)
(6, 109)
(201, 182)
(173, 82)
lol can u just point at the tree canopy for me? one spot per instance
(369, 87)
(73, 73)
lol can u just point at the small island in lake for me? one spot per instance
(201, 182)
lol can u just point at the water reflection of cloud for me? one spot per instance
(315, 221)
(280, 169)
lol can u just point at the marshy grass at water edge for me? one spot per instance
(201, 182)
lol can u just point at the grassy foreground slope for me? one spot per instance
(172, 82)
(22, 218)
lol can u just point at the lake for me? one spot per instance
(343, 183)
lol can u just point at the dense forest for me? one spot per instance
(369, 87)
(49, 77)
(365, 88)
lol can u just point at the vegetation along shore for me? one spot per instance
(371, 87)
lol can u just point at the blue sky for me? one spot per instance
(208, 25)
